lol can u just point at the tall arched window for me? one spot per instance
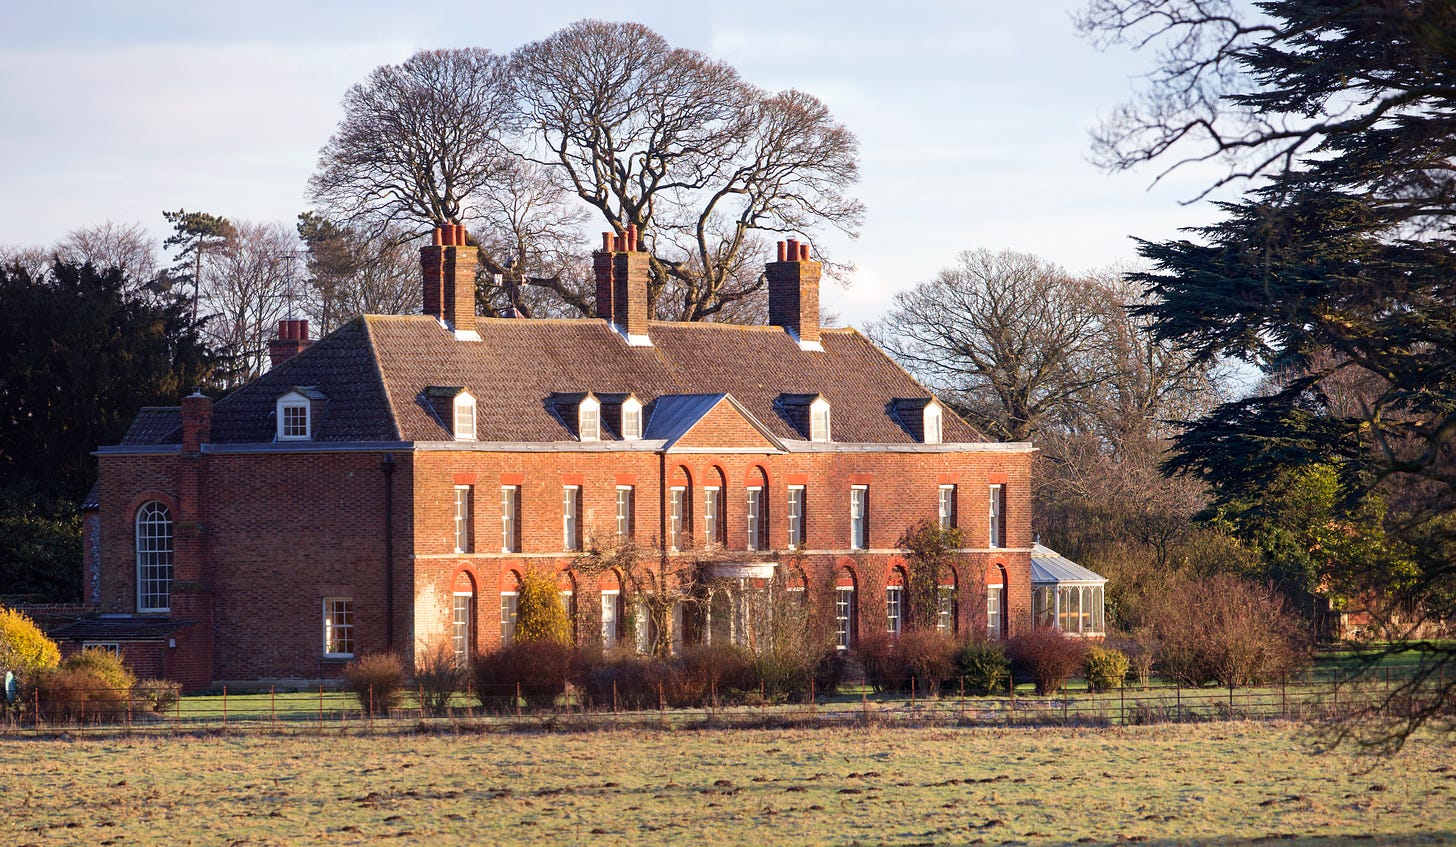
(154, 558)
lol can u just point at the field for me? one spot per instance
(1219, 783)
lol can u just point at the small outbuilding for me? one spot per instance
(1066, 595)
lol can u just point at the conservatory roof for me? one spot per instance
(1048, 567)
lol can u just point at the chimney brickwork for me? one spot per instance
(621, 270)
(793, 292)
(292, 339)
(448, 266)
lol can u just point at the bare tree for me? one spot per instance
(245, 290)
(350, 273)
(1006, 337)
(35, 261)
(678, 145)
(127, 247)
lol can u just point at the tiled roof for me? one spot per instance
(376, 372)
(117, 629)
(155, 425)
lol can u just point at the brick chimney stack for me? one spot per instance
(196, 421)
(621, 272)
(292, 339)
(793, 293)
(449, 280)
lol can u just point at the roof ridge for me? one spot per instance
(374, 367)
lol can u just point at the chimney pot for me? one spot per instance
(606, 242)
(783, 252)
(439, 236)
(793, 250)
(803, 252)
(632, 237)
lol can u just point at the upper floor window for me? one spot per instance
(631, 419)
(464, 503)
(796, 517)
(712, 520)
(295, 417)
(998, 516)
(819, 420)
(589, 419)
(859, 517)
(932, 423)
(947, 507)
(624, 511)
(510, 519)
(571, 517)
(677, 516)
(154, 558)
(464, 417)
(338, 627)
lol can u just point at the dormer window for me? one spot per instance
(933, 420)
(631, 419)
(589, 419)
(819, 420)
(464, 416)
(295, 416)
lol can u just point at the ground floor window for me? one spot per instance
(463, 627)
(508, 617)
(105, 646)
(945, 616)
(1075, 609)
(994, 595)
(844, 617)
(338, 627)
(611, 615)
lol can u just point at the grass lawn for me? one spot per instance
(1194, 784)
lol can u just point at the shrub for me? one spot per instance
(438, 675)
(721, 669)
(1226, 629)
(376, 680)
(782, 675)
(927, 657)
(23, 647)
(1106, 668)
(539, 670)
(1140, 651)
(90, 685)
(829, 671)
(630, 682)
(982, 667)
(157, 695)
(539, 614)
(1047, 656)
(876, 652)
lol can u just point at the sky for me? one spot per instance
(973, 116)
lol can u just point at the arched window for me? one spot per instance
(680, 510)
(996, 602)
(844, 609)
(946, 618)
(631, 419)
(589, 419)
(895, 602)
(464, 409)
(931, 424)
(819, 420)
(510, 592)
(462, 618)
(154, 558)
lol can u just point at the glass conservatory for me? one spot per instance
(1065, 595)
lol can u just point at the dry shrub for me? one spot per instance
(631, 682)
(982, 667)
(157, 695)
(376, 680)
(1140, 649)
(830, 671)
(926, 657)
(438, 675)
(1047, 656)
(1106, 668)
(1226, 629)
(90, 685)
(876, 652)
(538, 670)
(720, 670)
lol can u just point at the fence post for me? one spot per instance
(662, 699)
(421, 700)
(1231, 699)
(813, 700)
(1011, 690)
(864, 700)
(371, 708)
(321, 707)
(614, 696)
(273, 704)
(1178, 693)
(912, 692)
(1121, 705)
(1284, 696)
(224, 706)
(518, 699)
(37, 711)
(179, 709)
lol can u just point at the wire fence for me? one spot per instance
(322, 711)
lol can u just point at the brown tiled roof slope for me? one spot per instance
(155, 425)
(521, 363)
(375, 370)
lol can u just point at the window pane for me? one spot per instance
(844, 618)
(339, 626)
(570, 502)
(154, 558)
(751, 523)
(508, 617)
(796, 518)
(463, 498)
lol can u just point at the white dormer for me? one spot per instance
(933, 430)
(589, 419)
(631, 419)
(464, 416)
(295, 415)
(819, 420)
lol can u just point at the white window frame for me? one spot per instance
(844, 597)
(712, 520)
(464, 416)
(570, 511)
(993, 610)
(508, 607)
(946, 495)
(112, 647)
(753, 514)
(611, 616)
(462, 626)
(155, 565)
(631, 419)
(464, 519)
(510, 518)
(997, 516)
(288, 405)
(859, 517)
(933, 424)
(946, 617)
(589, 419)
(796, 517)
(894, 609)
(338, 615)
(677, 499)
(819, 421)
(626, 505)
